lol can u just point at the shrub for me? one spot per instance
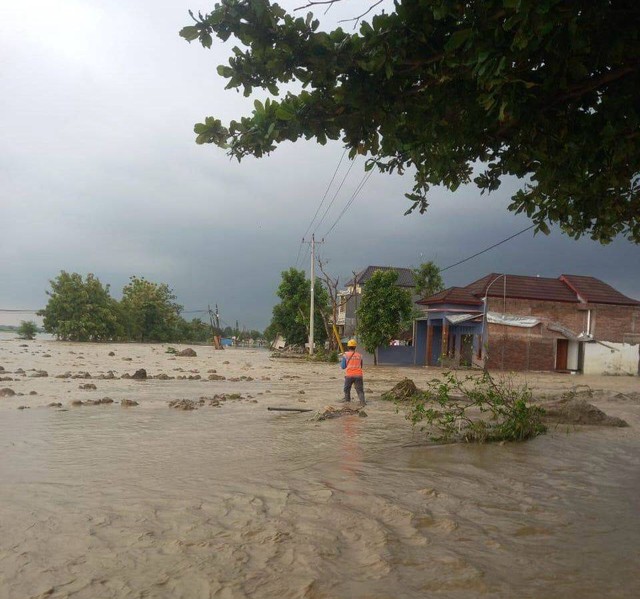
(476, 409)
(27, 329)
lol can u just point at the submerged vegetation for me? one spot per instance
(471, 409)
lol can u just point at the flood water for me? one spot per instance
(242, 502)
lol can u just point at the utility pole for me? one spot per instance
(313, 284)
(355, 292)
(215, 328)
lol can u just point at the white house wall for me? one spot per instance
(612, 358)
(573, 355)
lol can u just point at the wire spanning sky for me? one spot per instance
(99, 173)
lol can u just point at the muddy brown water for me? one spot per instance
(104, 501)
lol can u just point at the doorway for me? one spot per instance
(562, 352)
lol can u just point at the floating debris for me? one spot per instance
(403, 391)
(579, 411)
(331, 412)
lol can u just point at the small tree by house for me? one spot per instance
(385, 311)
(428, 279)
(291, 316)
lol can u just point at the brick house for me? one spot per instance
(513, 322)
(349, 298)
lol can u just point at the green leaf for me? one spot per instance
(205, 40)
(190, 33)
(285, 112)
(457, 39)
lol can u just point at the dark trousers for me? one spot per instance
(353, 380)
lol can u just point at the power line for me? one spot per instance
(335, 195)
(489, 248)
(306, 254)
(324, 197)
(325, 193)
(299, 249)
(355, 194)
(18, 310)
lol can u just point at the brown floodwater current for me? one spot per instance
(104, 501)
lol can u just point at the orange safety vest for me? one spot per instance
(354, 364)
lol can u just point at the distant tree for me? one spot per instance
(291, 316)
(428, 279)
(27, 329)
(81, 310)
(271, 332)
(384, 312)
(194, 331)
(542, 92)
(149, 310)
(228, 332)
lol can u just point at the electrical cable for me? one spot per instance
(324, 197)
(335, 195)
(325, 193)
(355, 194)
(299, 249)
(489, 248)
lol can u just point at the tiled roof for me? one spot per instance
(523, 287)
(453, 295)
(405, 275)
(595, 291)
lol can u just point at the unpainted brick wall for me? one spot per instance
(512, 348)
(608, 322)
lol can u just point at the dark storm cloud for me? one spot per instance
(99, 173)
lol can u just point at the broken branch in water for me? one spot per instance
(289, 409)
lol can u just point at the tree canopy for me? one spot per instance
(291, 316)
(428, 279)
(151, 313)
(384, 311)
(543, 90)
(81, 309)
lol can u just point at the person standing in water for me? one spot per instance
(352, 365)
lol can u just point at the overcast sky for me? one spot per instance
(99, 172)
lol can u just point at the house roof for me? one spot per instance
(523, 287)
(452, 295)
(566, 288)
(405, 275)
(593, 290)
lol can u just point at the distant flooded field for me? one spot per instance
(231, 500)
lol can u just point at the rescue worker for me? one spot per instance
(352, 365)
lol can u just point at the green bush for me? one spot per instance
(476, 409)
(27, 329)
